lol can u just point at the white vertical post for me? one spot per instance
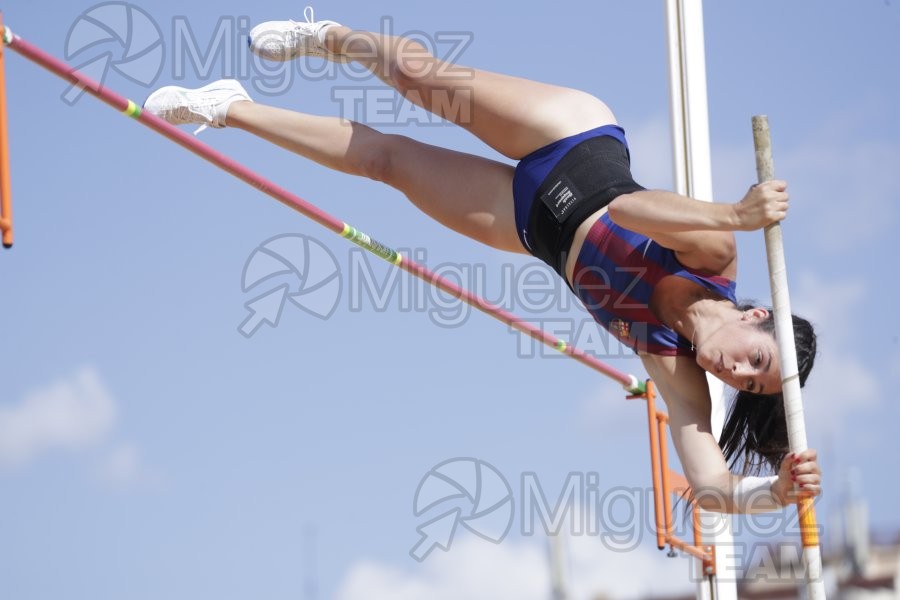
(693, 177)
(556, 555)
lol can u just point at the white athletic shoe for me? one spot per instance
(286, 40)
(206, 106)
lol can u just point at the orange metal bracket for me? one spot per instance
(666, 483)
(6, 226)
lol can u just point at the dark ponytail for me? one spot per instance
(755, 432)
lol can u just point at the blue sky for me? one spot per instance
(147, 448)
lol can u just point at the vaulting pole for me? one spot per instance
(790, 377)
(131, 109)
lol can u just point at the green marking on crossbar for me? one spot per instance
(377, 248)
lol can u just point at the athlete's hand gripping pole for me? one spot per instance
(784, 333)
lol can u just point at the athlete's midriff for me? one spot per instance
(578, 242)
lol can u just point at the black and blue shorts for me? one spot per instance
(557, 187)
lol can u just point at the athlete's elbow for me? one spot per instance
(723, 247)
(620, 209)
(713, 501)
(712, 493)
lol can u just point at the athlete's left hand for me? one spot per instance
(799, 477)
(764, 204)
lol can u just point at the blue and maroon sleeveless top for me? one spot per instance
(615, 275)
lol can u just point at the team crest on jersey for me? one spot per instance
(621, 328)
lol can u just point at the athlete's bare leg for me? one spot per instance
(512, 115)
(466, 193)
(469, 194)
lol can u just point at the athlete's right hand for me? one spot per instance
(799, 477)
(764, 204)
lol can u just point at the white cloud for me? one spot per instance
(841, 383)
(472, 569)
(605, 412)
(122, 464)
(124, 467)
(841, 387)
(73, 413)
(840, 176)
(475, 570)
(596, 569)
(830, 305)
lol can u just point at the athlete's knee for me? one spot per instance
(411, 64)
(376, 161)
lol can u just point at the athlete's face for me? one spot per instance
(743, 356)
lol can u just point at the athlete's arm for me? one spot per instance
(701, 233)
(687, 399)
(683, 386)
(655, 211)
